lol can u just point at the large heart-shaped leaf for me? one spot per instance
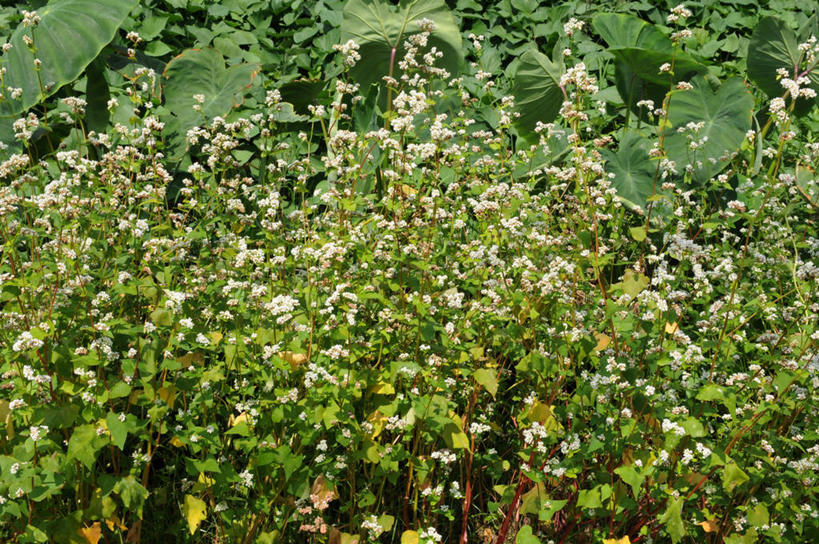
(726, 118)
(774, 45)
(643, 47)
(202, 72)
(536, 90)
(380, 28)
(640, 49)
(70, 35)
(634, 171)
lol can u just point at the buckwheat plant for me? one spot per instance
(411, 332)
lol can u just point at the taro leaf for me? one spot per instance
(640, 49)
(301, 93)
(643, 47)
(774, 45)
(633, 170)
(380, 27)
(70, 35)
(727, 117)
(97, 95)
(536, 90)
(633, 89)
(12, 145)
(202, 71)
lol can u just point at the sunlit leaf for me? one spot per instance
(195, 511)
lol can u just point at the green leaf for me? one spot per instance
(638, 233)
(487, 378)
(203, 72)
(589, 498)
(70, 35)
(640, 49)
(643, 47)
(81, 445)
(633, 170)
(454, 436)
(733, 476)
(633, 478)
(525, 536)
(550, 508)
(711, 392)
(693, 427)
(536, 89)
(385, 521)
(750, 537)
(758, 515)
(117, 428)
(132, 493)
(379, 27)
(774, 45)
(672, 519)
(726, 115)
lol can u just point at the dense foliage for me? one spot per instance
(267, 279)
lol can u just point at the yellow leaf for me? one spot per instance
(671, 328)
(406, 190)
(91, 534)
(709, 526)
(409, 537)
(624, 540)
(382, 388)
(195, 511)
(322, 491)
(176, 442)
(207, 480)
(241, 418)
(168, 394)
(190, 358)
(295, 359)
(347, 538)
(603, 341)
(114, 522)
(5, 418)
(377, 420)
